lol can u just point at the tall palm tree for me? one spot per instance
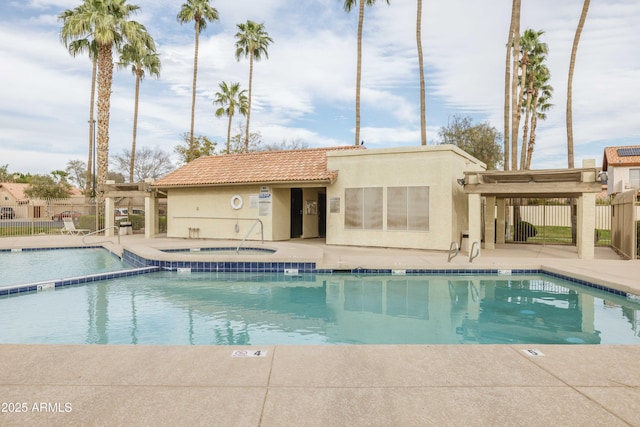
(348, 6)
(142, 59)
(533, 53)
(200, 12)
(507, 82)
(107, 22)
(542, 93)
(75, 48)
(252, 42)
(230, 98)
(423, 108)
(572, 63)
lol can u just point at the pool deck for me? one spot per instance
(390, 385)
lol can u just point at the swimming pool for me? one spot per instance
(174, 308)
(20, 266)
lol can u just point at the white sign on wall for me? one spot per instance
(264, 204)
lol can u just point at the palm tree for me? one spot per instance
(572, 63)
(201, 12)
(107, 23)
(230, 98)
(423, 108)
(142, 59)
(534, 54)
(542, 93)
(252, 42)
(348, 6)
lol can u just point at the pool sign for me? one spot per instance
(249, 353)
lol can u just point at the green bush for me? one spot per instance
(523, 230)
(87, 222)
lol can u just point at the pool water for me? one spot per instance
(29, 266)
(267, 309)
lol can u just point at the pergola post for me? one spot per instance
(500, 223)
(586, 226)
(475, 220)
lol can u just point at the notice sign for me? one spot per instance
(264, 204)
(249, 353)
(253, 201)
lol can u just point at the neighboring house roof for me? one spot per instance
(628, 155)
(17, 190)
(308, 165)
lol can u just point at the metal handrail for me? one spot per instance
(100, 231)
(453, 247)
(475, 245)
(249, 232)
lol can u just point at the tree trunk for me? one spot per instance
(229, 134)
(507, 87)
(92, 126)
(525, 128)
(534, 124)
(572, 62)
(359, 70)
(193, 91)
(423, 108)
(514, 85)
(246, 140)
(135, 124)
(105, 77)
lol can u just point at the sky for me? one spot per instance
(305, 90)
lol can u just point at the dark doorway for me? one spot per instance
(322, 214)
(296, 212)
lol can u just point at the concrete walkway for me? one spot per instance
(391, 385)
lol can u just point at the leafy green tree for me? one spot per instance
(76, 173)
(202, 146)
(252, 42)
(5, 176)
(53, 186)
(200, 12)
(230, 98)
(482, 140)
(348, 6)
(107, 22)
(572, 63)
(142, 59)
(149, 163)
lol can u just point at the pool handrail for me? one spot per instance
(454, 247)
(115, 227)
(476, 246)
(257, 220)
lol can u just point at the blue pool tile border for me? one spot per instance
(53, 248)
(72, 281)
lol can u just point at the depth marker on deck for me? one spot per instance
(533, 352)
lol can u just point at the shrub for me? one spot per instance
(523, 230)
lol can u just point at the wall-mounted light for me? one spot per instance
(461, 181)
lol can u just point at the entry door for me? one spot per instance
(296, 212)
(322, 214)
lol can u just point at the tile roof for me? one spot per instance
(307, 165)
(16, 189)
(612, 158)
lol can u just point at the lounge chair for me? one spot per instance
(70, 228)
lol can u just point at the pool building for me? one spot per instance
(404, 197)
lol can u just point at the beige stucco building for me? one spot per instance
(406, 197)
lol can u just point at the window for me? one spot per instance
(634, 178)
(363, 208)
(408, 208)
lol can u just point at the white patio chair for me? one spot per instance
(70, 228)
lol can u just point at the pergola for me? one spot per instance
(496, 186)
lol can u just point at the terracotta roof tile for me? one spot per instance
(611, 157)
(256, 167)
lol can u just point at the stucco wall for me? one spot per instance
(208, 213)
(437, 167)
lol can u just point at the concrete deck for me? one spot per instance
(333, 385)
